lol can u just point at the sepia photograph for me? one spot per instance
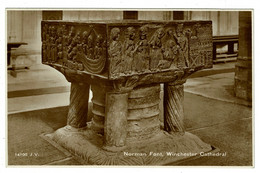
(129, 87)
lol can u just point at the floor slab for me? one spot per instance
(219, 86)
(227, 126)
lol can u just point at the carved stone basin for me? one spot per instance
(124, 63)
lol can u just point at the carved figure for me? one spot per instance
(48, 48)
(59, 51)
(182, 41)
(64, 43)
(90, 47)
(114, 50)
(44, 52)
(53, 50)
(142, 51)
(58, 45)
(170, 52)
(65, 36)
(71, 34)
(95, 60)
(128, 49)
(72, 53)
(75, 40)
(98, 51)
(79, 53)
(85, 41)
(170, 55)
(156, 51)
(194, 32)
(44, 32)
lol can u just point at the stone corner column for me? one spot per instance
(173, 107)
(115, 127)
(78, 107)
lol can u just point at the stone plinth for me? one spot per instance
(124, 64)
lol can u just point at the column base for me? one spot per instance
(161, 149)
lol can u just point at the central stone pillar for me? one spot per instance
(98, 109)
(143, 113)
(115, 121)
(173, 107)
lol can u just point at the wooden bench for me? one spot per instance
(229, 40)
(11, 64)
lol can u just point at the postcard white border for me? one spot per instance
(130, 4)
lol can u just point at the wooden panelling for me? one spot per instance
(31, 26)
(24, 26)
(150, 15)
(130, 15)
(72, 15)
(234, 22)
(51, 15)
(214, 18)
(167, 15)
(92, 15)
(14, 26)
(224, 22)
(178, 15)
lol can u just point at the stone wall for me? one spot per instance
(25, 25)
(243, 71)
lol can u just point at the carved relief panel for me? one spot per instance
(76, 46)
(150, 48)
(120, 49)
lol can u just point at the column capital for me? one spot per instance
(177, 82)
(125, 85)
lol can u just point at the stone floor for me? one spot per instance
(39, 87)
(211, 112)
(218, 86)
